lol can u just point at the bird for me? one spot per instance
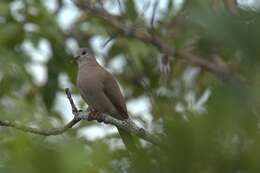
(100, 90)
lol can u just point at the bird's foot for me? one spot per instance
(95, 115)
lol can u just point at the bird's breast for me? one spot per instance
(89, 79)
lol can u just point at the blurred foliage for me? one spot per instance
(220, 134)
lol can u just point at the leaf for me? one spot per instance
(11, 34)
(50, 88)
(114, 50)
(131, 10)
(4, 9)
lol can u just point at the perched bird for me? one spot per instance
(101, 92)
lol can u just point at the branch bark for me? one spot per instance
(44, 132)
(232, 6)
(127, 125)
(127, 31)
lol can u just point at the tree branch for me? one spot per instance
(144, 36)
(44, 132)
(155, 5)
(127, 125)
(232, 6)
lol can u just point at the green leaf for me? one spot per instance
(11, 34)
(50, 88)
(4, 9)
(131, 10)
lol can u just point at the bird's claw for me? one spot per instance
(95, 115)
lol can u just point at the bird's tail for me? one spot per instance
(128, 140)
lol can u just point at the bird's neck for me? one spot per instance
(88, 62)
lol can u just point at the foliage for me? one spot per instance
(221, 135)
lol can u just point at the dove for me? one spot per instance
(100, 90)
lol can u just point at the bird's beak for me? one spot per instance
(74, 59)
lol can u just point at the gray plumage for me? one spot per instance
(98, 87)
(100, 90)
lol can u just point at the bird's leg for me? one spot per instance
(96, 115)
(100, 117)
(92, 114)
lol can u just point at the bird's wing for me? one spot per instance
(112, 91)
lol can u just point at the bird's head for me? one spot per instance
(83, 54)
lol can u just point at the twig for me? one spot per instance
(111, 37)
(153, 13)
(144, 9)
(120, 7)
(73, 107)
(232, 6)
(204, 64)
(127, 125)
(154, 40)
(44, 132)
(59, 4)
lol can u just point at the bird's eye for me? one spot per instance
(84, 52)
